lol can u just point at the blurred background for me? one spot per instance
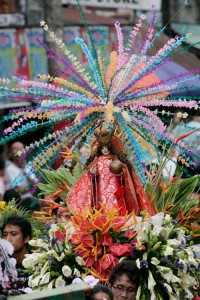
(21, 53)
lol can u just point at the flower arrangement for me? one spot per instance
(93, 243)
(53, 262)
(165, 255)
(102, 239)
(8, 270)
(162, 250)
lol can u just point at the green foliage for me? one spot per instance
(11, 209)
(59, 180)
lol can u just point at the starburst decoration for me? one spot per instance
(125, 93)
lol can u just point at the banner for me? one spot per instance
(22, 53)
(69, 34)
(36, 54)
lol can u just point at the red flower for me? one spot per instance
(75, 239)
(60, 235)
(129, 233)
(87, 240)
(117, 223)
(89, 261)
(106, 239)
(83, 252)
(107, 261)
(101, 223)
(86, 225)
(121, 249)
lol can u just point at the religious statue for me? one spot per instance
(108, 180)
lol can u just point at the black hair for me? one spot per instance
(113, 151)
(11, 194)
(2, 163)
(97, 289)
(22, 222)
(30, 203)
(128, 268)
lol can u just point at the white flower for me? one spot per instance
(44, 268)
(61, 257)
(168, 251)
(77, 280)
(138, 263)
(77, 273)
(166, 273)
(151, 284)
(80, 261)
(31, 260)
(187, 279)
(155, 261)
(67, 272)
(168, 287)
(50, 285)
(156, 246)
(60, 282)
(35, 281)
(91, 280)
(39, 243)
(157, 219)
(138, 293)
(45, 279)
(173, 243)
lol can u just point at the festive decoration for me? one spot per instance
(120, 93)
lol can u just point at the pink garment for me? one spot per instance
(107, 183)
(122, 191)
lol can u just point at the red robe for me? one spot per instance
(122, 191)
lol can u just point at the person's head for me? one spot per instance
(100, 292)
(11, 194)
(17, 230)
(30, 203)
(124, 280)
(14, 148)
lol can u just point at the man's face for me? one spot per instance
(13, 234)
(123, 288)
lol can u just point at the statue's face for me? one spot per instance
(105, 151)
